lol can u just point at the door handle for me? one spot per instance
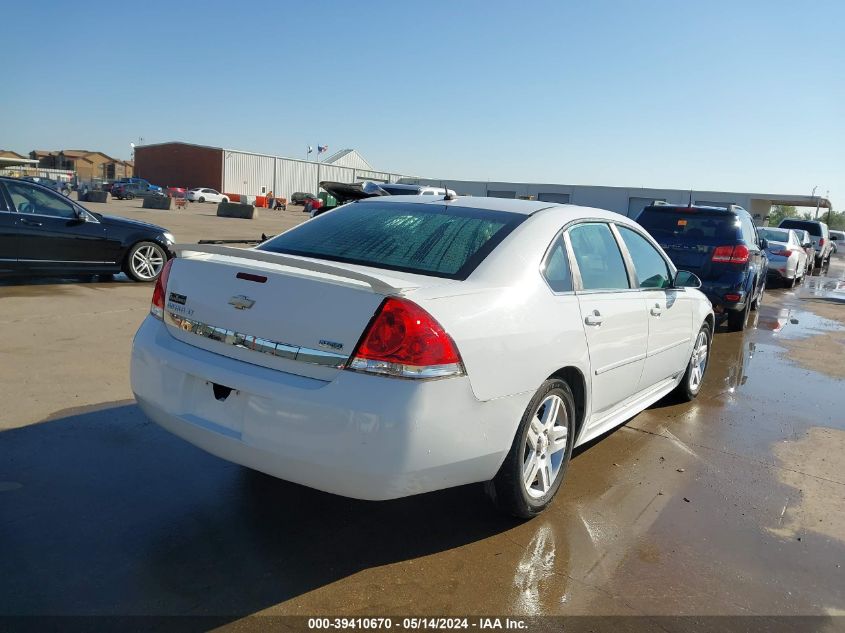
(656, 311)
(29, 222)
(594, 319)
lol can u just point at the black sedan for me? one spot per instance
(45, 233)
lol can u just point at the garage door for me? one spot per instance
(501, 194)
(636, 205)
(560, 198)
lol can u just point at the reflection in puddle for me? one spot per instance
(738, 368)
(823, 288)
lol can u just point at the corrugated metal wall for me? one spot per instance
(255, 174)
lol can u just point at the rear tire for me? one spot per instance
(202, 199)
(756, 303)
(535, 466)
(738, 319)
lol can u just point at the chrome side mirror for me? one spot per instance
(764, 243)
(686, 279)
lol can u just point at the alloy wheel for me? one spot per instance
(545, 446)
(698, 362)
(147, 262)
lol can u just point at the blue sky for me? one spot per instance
(742, 95)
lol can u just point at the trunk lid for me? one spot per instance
(291, 314)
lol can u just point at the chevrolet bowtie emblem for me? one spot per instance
(241, 302)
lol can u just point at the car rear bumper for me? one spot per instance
(780, 269)
(361, 436)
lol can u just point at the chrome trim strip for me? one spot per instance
(666, 348)
(618, 364)
(255, 343)
(61, 261)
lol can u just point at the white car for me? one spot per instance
(404, 344)
(204, 194)
(786, 254)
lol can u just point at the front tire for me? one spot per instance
(145, 261)
(535, 466)
(690, 385)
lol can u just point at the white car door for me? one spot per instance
(668, 310)
(613, 315)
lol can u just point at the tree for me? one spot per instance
(781, 211)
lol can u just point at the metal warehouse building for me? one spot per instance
(625, 200)
(176, 164)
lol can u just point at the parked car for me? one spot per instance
(398, 189)
(787, 258)
(721, 246)
(818, 231)
(142, 181)
(466, 349)
(131, 190)
(205, 194)
(300, 197)
(837, 241)
(45, 233)
(56, 185)
(806, 241)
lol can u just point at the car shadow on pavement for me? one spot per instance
(102, 512)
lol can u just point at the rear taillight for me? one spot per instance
(785, 253)
(731, 254)
(733, 297)
(821, 242)
(406, 341)
(160, 291)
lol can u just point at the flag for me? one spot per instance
(322, 148)
(310, 149)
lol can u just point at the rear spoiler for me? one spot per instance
(376, 285)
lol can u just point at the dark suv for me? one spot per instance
(721, 246)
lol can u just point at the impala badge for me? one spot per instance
(330, 344)
(241, 302)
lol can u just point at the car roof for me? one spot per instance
(694, 207)
(524, 207)
(565, 212)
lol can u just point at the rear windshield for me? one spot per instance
(813, 228)
(774, 235)
(677, 224)
(425, 239)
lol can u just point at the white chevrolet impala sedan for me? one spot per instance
(404, 344)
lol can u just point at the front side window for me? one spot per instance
(33, 200)
(598, 257)
(425, 239)
(556, 267)
(652, 271)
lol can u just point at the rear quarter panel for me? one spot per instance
(512, 331)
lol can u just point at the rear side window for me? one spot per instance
(599, 259)
(425, 239)
(813, 228)
(556, 267)
(692, 226)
